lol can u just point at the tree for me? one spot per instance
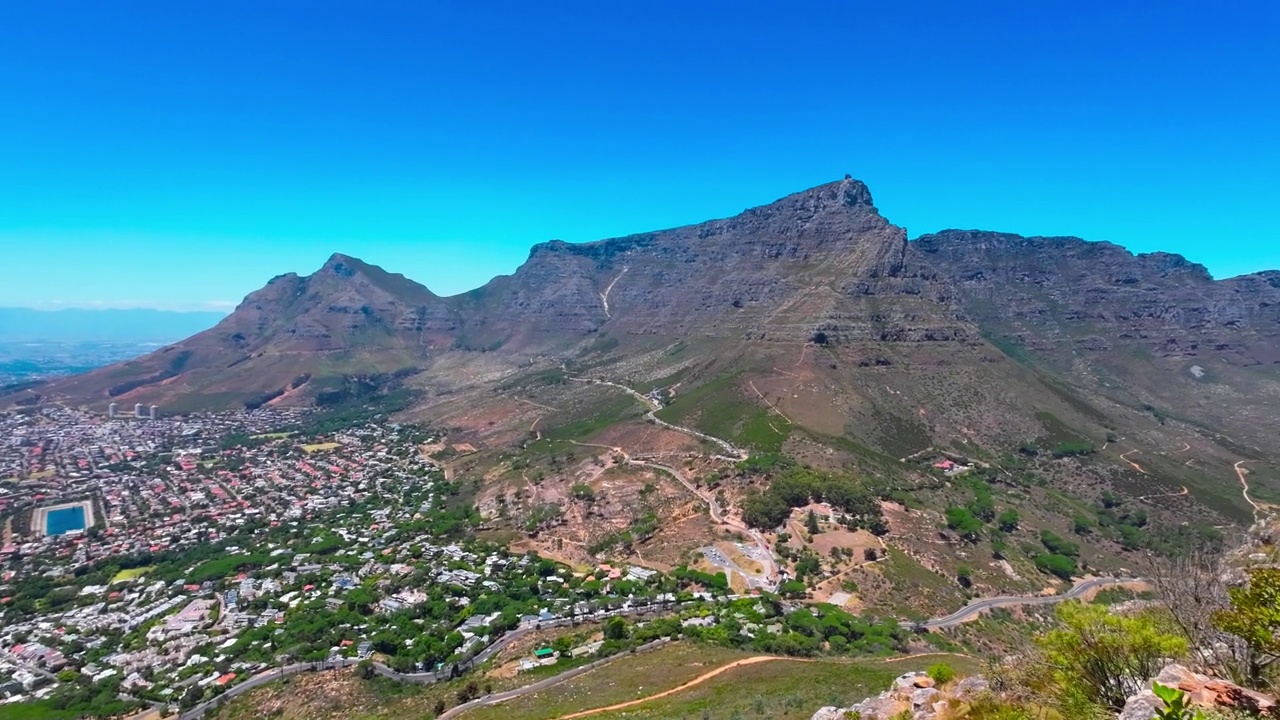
(468, 692)
(1059, 565)
(870, 554)
(1254, 617)
(439, 707)
(1058, 545)
(811, 524)
(365, 670)
(963, 521)
(1098, 656)
(1192, 586)
(615, 628)
(1008, 520)
(964, 576)
(982, 506)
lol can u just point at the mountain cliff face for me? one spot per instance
(1051, 293)
(819, 260)
(949, 336)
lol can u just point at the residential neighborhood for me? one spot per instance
(220, 546)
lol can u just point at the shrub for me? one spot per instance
(1072, 449)
(963, 521)
(941, 673)
(1096, 656)
(1175, 702)
(1059, 565)
(1058, 545)
(1008, 520)
(1254, 617)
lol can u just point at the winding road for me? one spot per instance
(735, 453)
(768, 581)
(1244, 488)
(968, 612)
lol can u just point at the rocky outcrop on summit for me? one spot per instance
(819, 260)
(344, 304)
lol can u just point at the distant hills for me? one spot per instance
(73, 325)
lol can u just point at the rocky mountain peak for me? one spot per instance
(839, 197)
(343, 265)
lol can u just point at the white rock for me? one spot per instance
(922, 697)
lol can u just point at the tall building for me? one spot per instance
(152, 412)
(111, 410)
(139, 411)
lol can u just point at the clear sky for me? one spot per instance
(178, 155)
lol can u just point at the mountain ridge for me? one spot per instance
(951, 314)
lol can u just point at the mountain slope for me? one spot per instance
(1153, 331)
(813, 260)
(348, 318)
(813, 307)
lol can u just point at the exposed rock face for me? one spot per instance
(913, 692)
(1054, 291)
(819, 259)
(819, 264)
(344, 304)
(1202, 691)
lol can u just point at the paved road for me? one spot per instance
(977, 606)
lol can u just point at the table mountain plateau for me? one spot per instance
(814, 310)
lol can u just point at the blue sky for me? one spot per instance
(178, 155)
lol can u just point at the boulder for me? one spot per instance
(922, 698)
(1142, 706)
(1202, 691)
(969, 687)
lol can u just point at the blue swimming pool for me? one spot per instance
(60, 522)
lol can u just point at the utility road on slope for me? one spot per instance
(767, 580)
(1244, 488)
